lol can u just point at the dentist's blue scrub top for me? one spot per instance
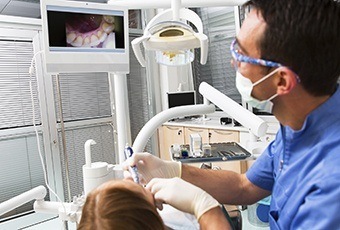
(302, 170)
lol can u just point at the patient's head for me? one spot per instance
(120, 205)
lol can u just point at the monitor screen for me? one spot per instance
(181, 98)
(85, 37)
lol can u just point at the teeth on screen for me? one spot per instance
(99, 33)
(108, 28)
(110, 42)
(87, 41)
(94, 40)
(77, 42)
(102, 36)
(109, 19)
(70, 37)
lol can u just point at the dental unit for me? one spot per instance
(173, 42)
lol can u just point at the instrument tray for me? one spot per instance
(228, 151)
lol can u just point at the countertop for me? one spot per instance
(212, 121)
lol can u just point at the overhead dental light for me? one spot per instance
(173, 40)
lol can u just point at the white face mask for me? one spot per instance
(245, 87)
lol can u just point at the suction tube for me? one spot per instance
(256, 125)
(151, 126)
(87, 147)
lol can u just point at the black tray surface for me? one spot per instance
(228, 151)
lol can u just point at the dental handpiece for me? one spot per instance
(132, 169)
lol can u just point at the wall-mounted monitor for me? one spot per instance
(84, 37)
(181, 98)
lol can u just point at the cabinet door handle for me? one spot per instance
(222, 133)
(179, 132)
(196, 130)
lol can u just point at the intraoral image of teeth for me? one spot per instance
(85, 30)
(110, 42)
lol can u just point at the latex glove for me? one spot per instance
(150, 167)
(181, 195)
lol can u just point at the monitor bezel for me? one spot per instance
(69, 61)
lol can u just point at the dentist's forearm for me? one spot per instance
(227, 187)
(214, 219)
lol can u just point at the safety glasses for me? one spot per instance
(238, 58)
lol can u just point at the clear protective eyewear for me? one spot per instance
(238, 57)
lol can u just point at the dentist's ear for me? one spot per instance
(287, 80)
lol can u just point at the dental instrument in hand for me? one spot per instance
(132, 169)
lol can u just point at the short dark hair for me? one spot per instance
(303, 35)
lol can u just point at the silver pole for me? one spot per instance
(63, 137)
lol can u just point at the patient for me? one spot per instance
(120, 205)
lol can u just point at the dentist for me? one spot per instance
(287, 56)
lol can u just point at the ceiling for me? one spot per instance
(25, 8)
